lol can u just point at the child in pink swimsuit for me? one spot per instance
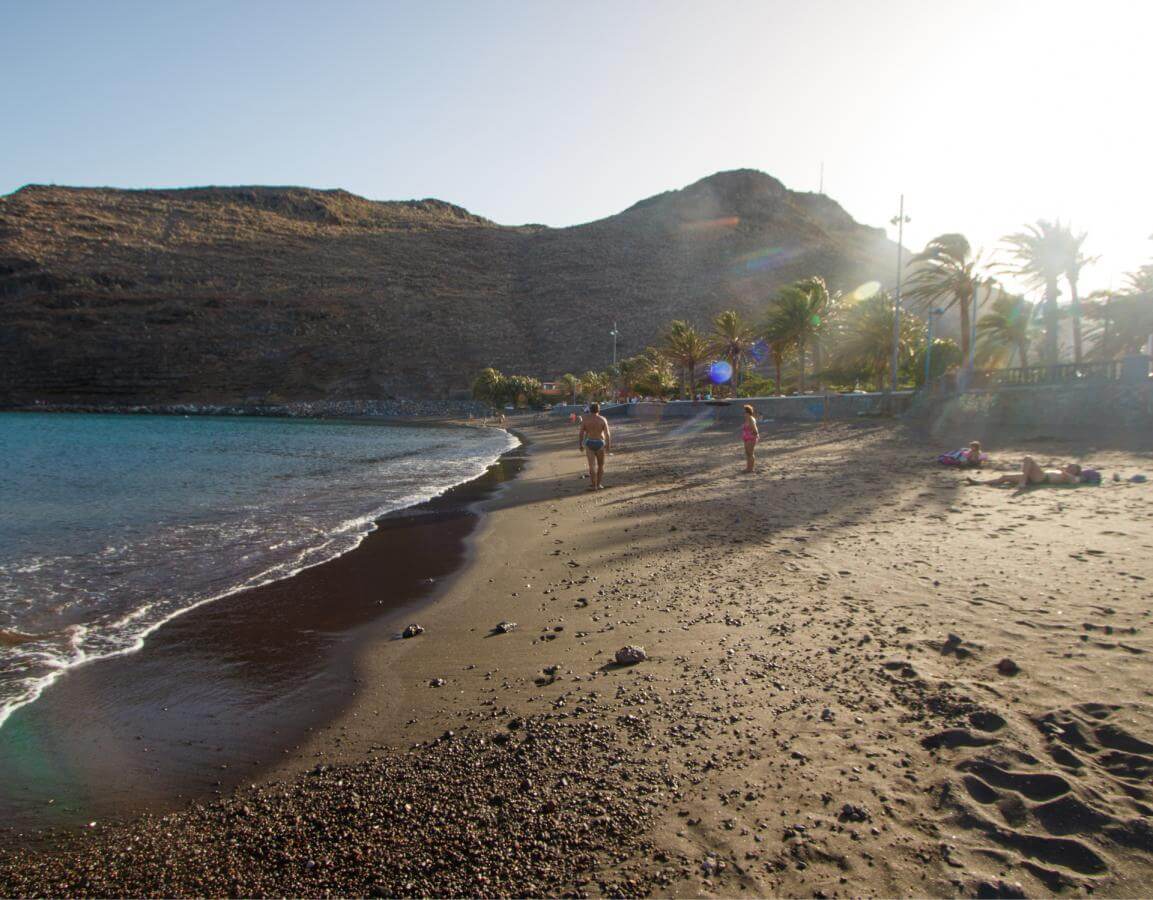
(750, 435)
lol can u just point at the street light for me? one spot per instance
(899, 220)
(615, 334)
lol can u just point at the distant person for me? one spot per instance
(595, 440)
(1031, 473)
(750, 434)
(970, 457)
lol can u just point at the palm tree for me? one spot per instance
(651, 373)
(1040, 254)
(778, 350)
(946, 276)
(1006, 328)
(487, 386)
(593, 384)
(1073, 261)
(1141, 281)
(732, 340)
(822, 305)
(868, 338)
(794, 319)
(686, 349)
(572, 385)
(1126, 317)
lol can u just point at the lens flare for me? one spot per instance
(766, 259)
(865, 291)
(759, 351)
(720, 372)
(702, 421)
(712, 224)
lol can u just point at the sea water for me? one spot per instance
(112, 525)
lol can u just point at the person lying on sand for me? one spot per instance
(972, 458)
(596, 440)
(1031, 473)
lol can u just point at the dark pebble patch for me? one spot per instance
(554, 810)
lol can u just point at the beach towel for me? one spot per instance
(960, 458)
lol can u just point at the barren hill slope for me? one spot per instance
(255, 293)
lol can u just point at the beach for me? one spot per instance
(864, 678)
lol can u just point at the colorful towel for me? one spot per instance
(961, 458)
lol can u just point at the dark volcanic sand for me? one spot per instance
(221, 693)
(824, 710)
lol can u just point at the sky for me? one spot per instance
(984, 115)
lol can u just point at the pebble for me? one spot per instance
(412, 631)
(631, 655)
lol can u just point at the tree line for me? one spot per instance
(810, 336)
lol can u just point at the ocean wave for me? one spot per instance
(61, 611)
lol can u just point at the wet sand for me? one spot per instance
(827, 709)
(223, 693)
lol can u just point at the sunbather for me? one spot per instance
(1031, 473)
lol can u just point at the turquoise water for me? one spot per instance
(111, 525)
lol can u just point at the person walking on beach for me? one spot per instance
(750, 434)
(596, 440)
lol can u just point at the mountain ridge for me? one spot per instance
(251, 293)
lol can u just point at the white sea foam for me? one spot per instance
(231, 534)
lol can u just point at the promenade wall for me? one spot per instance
(802, 407)
(1070, 409)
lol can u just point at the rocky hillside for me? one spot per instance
(265, 293)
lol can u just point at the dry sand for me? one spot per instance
(822, 713)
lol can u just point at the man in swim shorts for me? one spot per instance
(1031, 473)
(596, 440)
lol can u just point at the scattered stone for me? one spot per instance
(412, 631)
(505, 627)
(631, 655)
(437, 682)
(1000, 888)
(1008, 667)
(852, 813)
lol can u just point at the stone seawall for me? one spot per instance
(804, 407)
(1075, 410)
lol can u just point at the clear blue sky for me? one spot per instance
(985, 114)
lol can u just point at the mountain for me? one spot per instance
(246, 294)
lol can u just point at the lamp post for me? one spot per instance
(933, 313)
(899, 220)
(615, 334)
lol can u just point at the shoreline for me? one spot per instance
(825, 709)
(279, 668)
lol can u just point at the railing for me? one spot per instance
(1063, 373)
